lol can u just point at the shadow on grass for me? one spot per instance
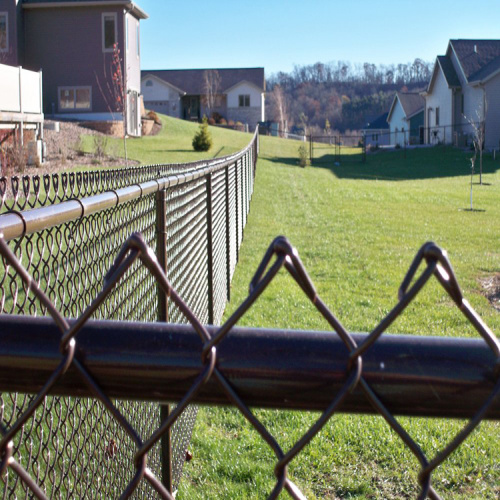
(167, 150)
(398, 165)
(291, 162)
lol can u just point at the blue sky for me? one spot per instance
(277, 34)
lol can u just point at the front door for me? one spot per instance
(191, 107)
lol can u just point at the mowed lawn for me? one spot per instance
(357, 228)
(173, 144)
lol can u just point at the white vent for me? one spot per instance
(475, 49)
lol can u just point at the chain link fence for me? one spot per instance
(423, 377)
(65, 231)
(337, 149)
(460, 135)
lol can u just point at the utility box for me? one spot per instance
(35, 152)
(55, 126)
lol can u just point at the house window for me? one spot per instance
(75, 98)
(109, 32)
(244, 100)
(437, 116)
(4, 39)
(149, 83)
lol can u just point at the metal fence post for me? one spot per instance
(161, 249)
(228, 239)
(243, 194)
(161, 253)
(210, 252)
(236, 199)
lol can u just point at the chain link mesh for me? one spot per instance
(74, 447)
(279, 255)
(55, 447)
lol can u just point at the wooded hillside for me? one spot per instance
(339, 95)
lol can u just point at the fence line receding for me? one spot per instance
(66, 230)
(76, 259)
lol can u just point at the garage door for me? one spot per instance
(158, 106)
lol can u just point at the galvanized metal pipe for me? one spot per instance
(412, 375)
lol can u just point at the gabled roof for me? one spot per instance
(479, 59)
(147, 76)
(449, 71)
(378, 124)
(46, 4)
(191, 81)
(444, 64)
(411, 102)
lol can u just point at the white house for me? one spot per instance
(406, 119)
(239, 93)
(464, 88)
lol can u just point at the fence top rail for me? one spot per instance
(15, 224)
(32, 191)
(414, 375)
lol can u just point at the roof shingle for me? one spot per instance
(379, 123)
(412, 102)
(449, 71)
(478, 58)
(191, 81)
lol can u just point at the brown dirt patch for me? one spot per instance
(490, 286)
(64, 150)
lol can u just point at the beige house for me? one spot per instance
(464, 88)
(239, 93)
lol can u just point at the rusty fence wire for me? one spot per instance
(65, 231)
(227, 365)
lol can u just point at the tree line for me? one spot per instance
(339, 95)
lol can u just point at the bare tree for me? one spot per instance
(478, 137)
(280, 108)
(115, 92)
(211, 85)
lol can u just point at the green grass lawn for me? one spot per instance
(173, 143)
(357, 228)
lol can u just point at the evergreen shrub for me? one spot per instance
(202, 141)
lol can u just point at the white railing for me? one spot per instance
(20, 90)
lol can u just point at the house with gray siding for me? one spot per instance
(406, 119)
(376, 132)
(465, 88)
(72, 42)
(239, 93)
